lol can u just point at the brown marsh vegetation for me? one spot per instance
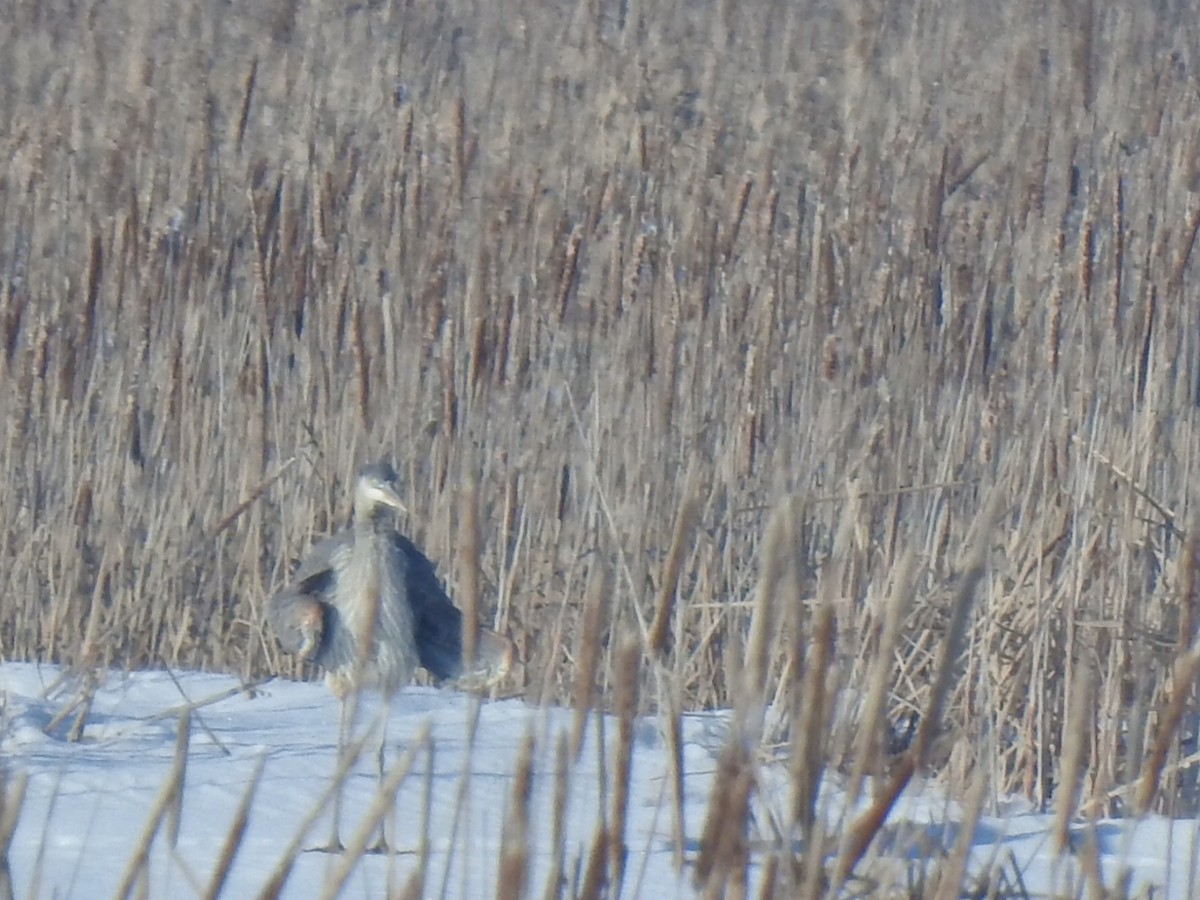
(615, 282)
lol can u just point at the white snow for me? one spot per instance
(87, 803)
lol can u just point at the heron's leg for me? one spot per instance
(344, 725)
(381, 843)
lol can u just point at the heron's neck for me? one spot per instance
(375, 521)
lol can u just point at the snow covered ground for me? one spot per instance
(87, 803)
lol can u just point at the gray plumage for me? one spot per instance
(367, 598)
(367, 606)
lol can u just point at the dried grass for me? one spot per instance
(608, 285)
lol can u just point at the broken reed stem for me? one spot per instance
(588, 654)
(514, 846)
(247, 688)
(236, 513)
(233, 839)
(628, 674)
(166, 803)
(80, 705)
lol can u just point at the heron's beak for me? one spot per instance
(389, 496)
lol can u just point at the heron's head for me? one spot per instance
(376, 486)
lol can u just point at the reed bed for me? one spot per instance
(611, 283)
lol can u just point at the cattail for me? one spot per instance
(829, 358)
(568, 272)
(588, 654)
(743, 201)
(685, 520)
(1074, 756)
(1087, 249)
(500, 360)
(1053, 330)
(627, 674)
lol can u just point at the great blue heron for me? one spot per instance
(367, 606)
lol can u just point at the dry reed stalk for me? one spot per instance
(450, 402)
(778, 551)
(873, 720)
(1076, 742)
(951, 875)
(12, 798)
(256, 493)
(93, 315)
(1093, 874)
(808, 754)
(275, 883)
(80, 706)
(461, 792)
(595, 884)
(674, 733)
(549, 686)
(685, 522)
(723, 859)
(768, 886)
(233, 838)
(173, 712)
(721, 866)
(587, 654)
(468, 595)
(863, 830)
(1189, 588)
(415, 886)
(1184, 677)
(168, 803)
(628, 675)
(362, 368)
(514, 844)
(556, 877)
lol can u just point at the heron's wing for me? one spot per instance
(319, 561)
(438, 627)
(301, 614)
(437, 622)
(298, 620)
